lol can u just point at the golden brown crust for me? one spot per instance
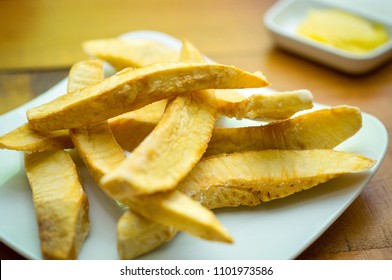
(60, 203)
(24, 138)
(130, 53)
(191, 116)
(175, 209)
(321, 129)
(266, 107)
(248, 178)
(132, 89)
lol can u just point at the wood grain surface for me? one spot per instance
(39, 40)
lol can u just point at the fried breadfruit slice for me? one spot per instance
(249, 178)
(98, 160)
(281, 105)
(137, 236)
(321, 129)
(60, 203)
(158, 163)
(85, 73)
(175, 209)
(95, 143)
(131, 128)
(189, 53)
(122, 53)
(151, 113)
(132, 89)
(26, 139)
(67, 210)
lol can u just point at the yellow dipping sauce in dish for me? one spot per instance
(343, 30)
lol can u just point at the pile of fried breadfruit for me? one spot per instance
(149, 138)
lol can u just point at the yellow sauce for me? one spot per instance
(343, 30)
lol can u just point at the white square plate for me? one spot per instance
(279, 229)
(284, 17)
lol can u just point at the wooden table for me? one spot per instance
(230, 32)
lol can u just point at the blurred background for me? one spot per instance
(45, 35)
(48, 34)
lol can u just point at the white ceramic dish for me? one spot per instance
(284, 17)
(280, 229)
